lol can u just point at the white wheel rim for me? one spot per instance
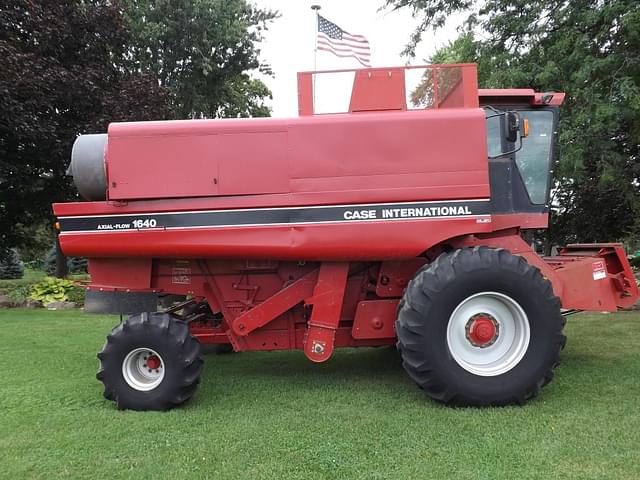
(138, 372)
(507, 347)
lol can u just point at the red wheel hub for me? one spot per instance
(153, 362)
(482, 330)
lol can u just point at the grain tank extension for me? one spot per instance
(380, 225)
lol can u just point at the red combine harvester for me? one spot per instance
(382, 225)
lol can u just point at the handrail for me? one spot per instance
(384, 88)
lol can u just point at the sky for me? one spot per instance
(289, 46)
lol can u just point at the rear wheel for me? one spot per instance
(480, 327)
(150, 362)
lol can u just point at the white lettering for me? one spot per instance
(435, 211)
(147, 223)
(360, 214)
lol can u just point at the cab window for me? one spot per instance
(533, 159)
(494, 134)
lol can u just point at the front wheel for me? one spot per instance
(480, 327)
(150, 362)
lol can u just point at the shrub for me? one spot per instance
(19, 294)
(78, 265)
(11, 267)
(50, 261)
(52, 290)
(76, 295)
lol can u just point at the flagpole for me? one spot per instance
(315, 8)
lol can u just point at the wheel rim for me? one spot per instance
(143, 369)
(488, 334)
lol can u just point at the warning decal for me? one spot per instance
(181, 275)
(599, 270)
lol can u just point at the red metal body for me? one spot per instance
(303, 233)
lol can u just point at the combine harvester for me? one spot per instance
(381, 225)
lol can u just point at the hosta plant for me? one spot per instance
(51, 290)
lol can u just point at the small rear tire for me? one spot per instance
(480, 327)
(150, 362)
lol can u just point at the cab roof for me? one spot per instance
(519, 95)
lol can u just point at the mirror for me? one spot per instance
(512, 127)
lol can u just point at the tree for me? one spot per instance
(72, 264)
(202, 52)
(61, 75)
(589, 49)
(11, 267)
(73, 66)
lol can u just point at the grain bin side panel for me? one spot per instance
(169, 164)
(443, 152)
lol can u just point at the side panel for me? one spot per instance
(348, 240)
(147, 167)
(134, 273)
(596, 276)
(393, 150)
(256, 166)
(375, 319)
(166, 166)
(381, 153)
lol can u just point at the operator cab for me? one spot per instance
(521, 164)
(520, 123)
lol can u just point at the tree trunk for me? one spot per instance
(61, 261)
(548, 238)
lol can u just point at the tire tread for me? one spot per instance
(186, 350)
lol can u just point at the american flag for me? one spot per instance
(331, 38)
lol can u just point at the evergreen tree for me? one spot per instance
(11, 267)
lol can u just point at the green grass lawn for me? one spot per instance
(29, 277)
(276, 415)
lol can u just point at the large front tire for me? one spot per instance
(150, 362)
(480, 327)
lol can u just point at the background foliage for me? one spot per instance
(74, 264)
(73, 66)
(201, 51)
(11, 267)
(62, 74)
(588, 49)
